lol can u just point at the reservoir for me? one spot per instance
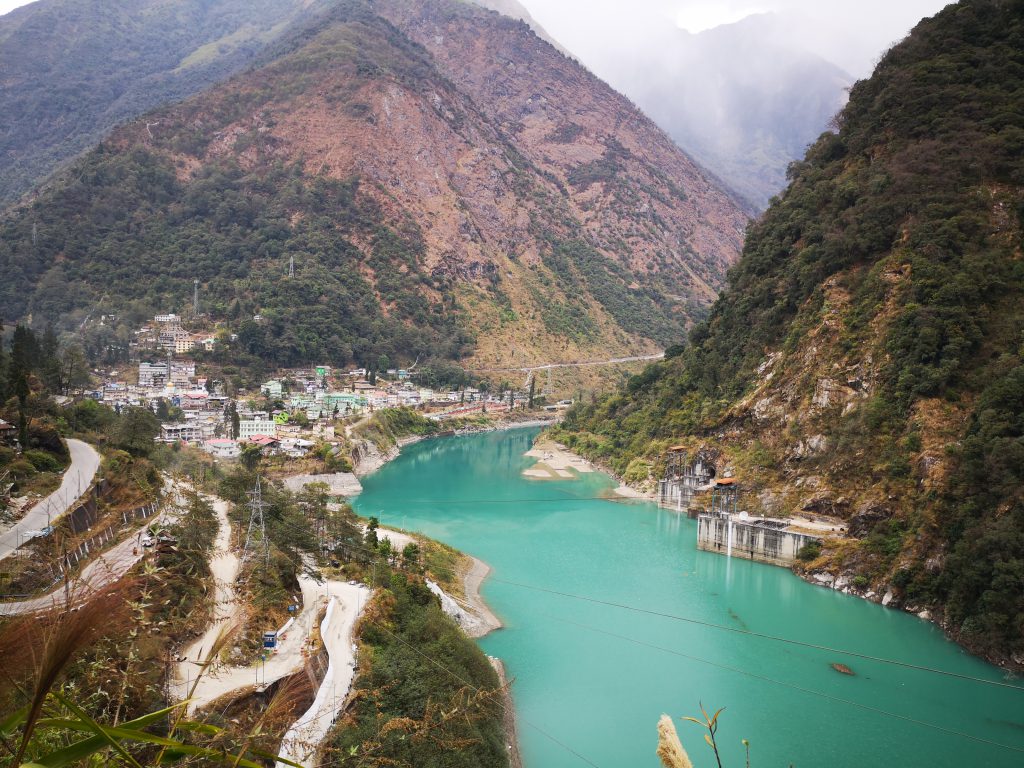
(592, 678)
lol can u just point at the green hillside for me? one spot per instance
(421, 223)
(867, 356)
(73, 69)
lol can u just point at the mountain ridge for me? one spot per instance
(523, 234)
(865, 360)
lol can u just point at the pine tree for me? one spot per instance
(49, 360)
(4, 391)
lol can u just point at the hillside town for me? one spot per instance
(288, 415)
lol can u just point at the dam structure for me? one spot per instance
(684, 479)
(729, 532)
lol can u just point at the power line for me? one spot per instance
(698, 622)
(762, 635)
(521, 501)
(794, 686)
(256, 536)
(468, 684)
(719, 665)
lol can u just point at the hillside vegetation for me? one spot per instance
(73, 69)
(867, 357)
(434, 201)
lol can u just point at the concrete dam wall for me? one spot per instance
(751, 539)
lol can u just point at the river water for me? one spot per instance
(591, 680)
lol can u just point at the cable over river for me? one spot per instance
(592, 678)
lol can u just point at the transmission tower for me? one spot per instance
(256, 537)
(195, 298)
(291, 267)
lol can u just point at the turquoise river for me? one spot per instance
(593, 679)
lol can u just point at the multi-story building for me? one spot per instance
(249, 428)
(181, 433)
(272, 389)
(152, 375)
(182, 373)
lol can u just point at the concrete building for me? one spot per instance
(272, 389)
(181, 433)
(183, 343)
(684, 478)
(182, 373)
(223, 448)
(194, 402)
(249, 428)
(152, 375)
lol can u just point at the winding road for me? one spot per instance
(85, 463)
(104, 569)
(583, 364)
(344, 601)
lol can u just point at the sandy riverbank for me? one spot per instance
(370, 458)
(471, 612)
(473, 579)
(556, 462)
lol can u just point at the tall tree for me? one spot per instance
(49, 360)
(74, 369)
(4, 392)
(136, 431)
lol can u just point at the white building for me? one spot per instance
(152, 375)
(223, 448)
(181, 433)
(252, 427)
(272, 389)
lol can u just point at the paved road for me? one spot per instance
(583, 364)
(103, 570)
(85, 463)
(303, 739)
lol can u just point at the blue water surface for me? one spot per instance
(591, 679)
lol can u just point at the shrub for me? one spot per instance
(809, 551)
(42, 461)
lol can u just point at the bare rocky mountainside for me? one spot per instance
(448, 183)
(865, 361)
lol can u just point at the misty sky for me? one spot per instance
(10, 5)
(852, 34)
(849, 33)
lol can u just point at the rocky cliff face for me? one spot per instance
(493, 190)
(865, 361)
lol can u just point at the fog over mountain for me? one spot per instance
(742, 86)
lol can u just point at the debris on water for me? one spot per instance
(843, 669)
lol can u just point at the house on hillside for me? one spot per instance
(8, 432)
(152, 375)
(223, 448)
(268, 445)
(272, 389)
(181, 433)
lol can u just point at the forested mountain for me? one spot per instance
(73, 69)
(446, 182)
(867, 357)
